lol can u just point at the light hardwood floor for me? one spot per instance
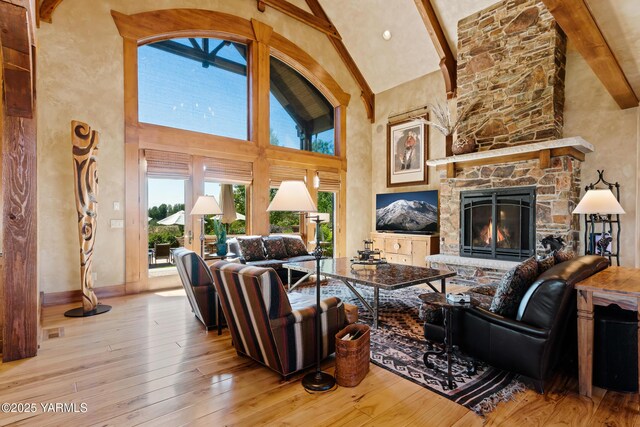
(150, 362)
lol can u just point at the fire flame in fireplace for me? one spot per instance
(487, 234)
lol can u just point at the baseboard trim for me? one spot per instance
(67, 297)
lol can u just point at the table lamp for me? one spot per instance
(597, 204)
(205, 205)
(293, 196)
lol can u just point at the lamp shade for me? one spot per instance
(292, 196)
(206, 205)
(599, 201)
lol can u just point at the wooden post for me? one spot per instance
(19, 205)
(259, 83)
(585, 341)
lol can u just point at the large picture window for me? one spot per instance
(301, 117)
(196, 84)
(229, 106)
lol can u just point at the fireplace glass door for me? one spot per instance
(498, 224)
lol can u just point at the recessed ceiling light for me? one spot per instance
(386, 34)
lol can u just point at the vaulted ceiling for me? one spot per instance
(410, 52)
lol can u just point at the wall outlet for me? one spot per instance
(94, 277)
(116, 206)
(117, 223)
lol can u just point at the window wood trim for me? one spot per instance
(149, 27)
(262, 42)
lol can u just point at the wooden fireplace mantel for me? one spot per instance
(575, 147)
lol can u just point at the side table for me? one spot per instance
(613, 285)
(439, 299)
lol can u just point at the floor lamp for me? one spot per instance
(293, 196)
(205, 205)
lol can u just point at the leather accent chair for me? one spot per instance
(198, 285)
(543, 331)
(269, 325)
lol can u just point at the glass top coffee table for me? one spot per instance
(384, 276)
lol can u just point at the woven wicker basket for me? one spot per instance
(352, 357)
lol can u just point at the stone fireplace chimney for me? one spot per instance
(511, 67)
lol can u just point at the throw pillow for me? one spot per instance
(295, 246)
(275, 248)
(512, 288)
(546, 263)
(563, 255)
(251, 248)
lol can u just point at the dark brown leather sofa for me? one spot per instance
(544, 330)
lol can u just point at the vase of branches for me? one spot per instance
(442, 122)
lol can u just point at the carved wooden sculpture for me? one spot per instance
(85, 173)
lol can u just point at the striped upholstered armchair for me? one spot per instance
(269, 325)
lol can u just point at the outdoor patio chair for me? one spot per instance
(162, 250)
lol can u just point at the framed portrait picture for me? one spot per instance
(406, 153)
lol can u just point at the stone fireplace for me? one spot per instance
(511, 62)
(552, 168)
(498, 223)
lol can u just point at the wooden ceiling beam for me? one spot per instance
(46, 9)
(366, 94)
(576, 21)
(314, 21)
(448, 63)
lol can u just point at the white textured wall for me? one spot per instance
(590, 112)
(408, 96)
(80, 76)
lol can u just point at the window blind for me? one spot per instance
(329, 181)
(277, 174)
(168, 164)
(228, 171)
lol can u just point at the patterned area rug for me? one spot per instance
(398, 345)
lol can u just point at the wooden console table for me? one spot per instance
(407, 249)
(614, 285)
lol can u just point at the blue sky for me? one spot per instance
(171, 191)
(179, 92)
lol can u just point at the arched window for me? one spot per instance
(196, 84)
(300, 116)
